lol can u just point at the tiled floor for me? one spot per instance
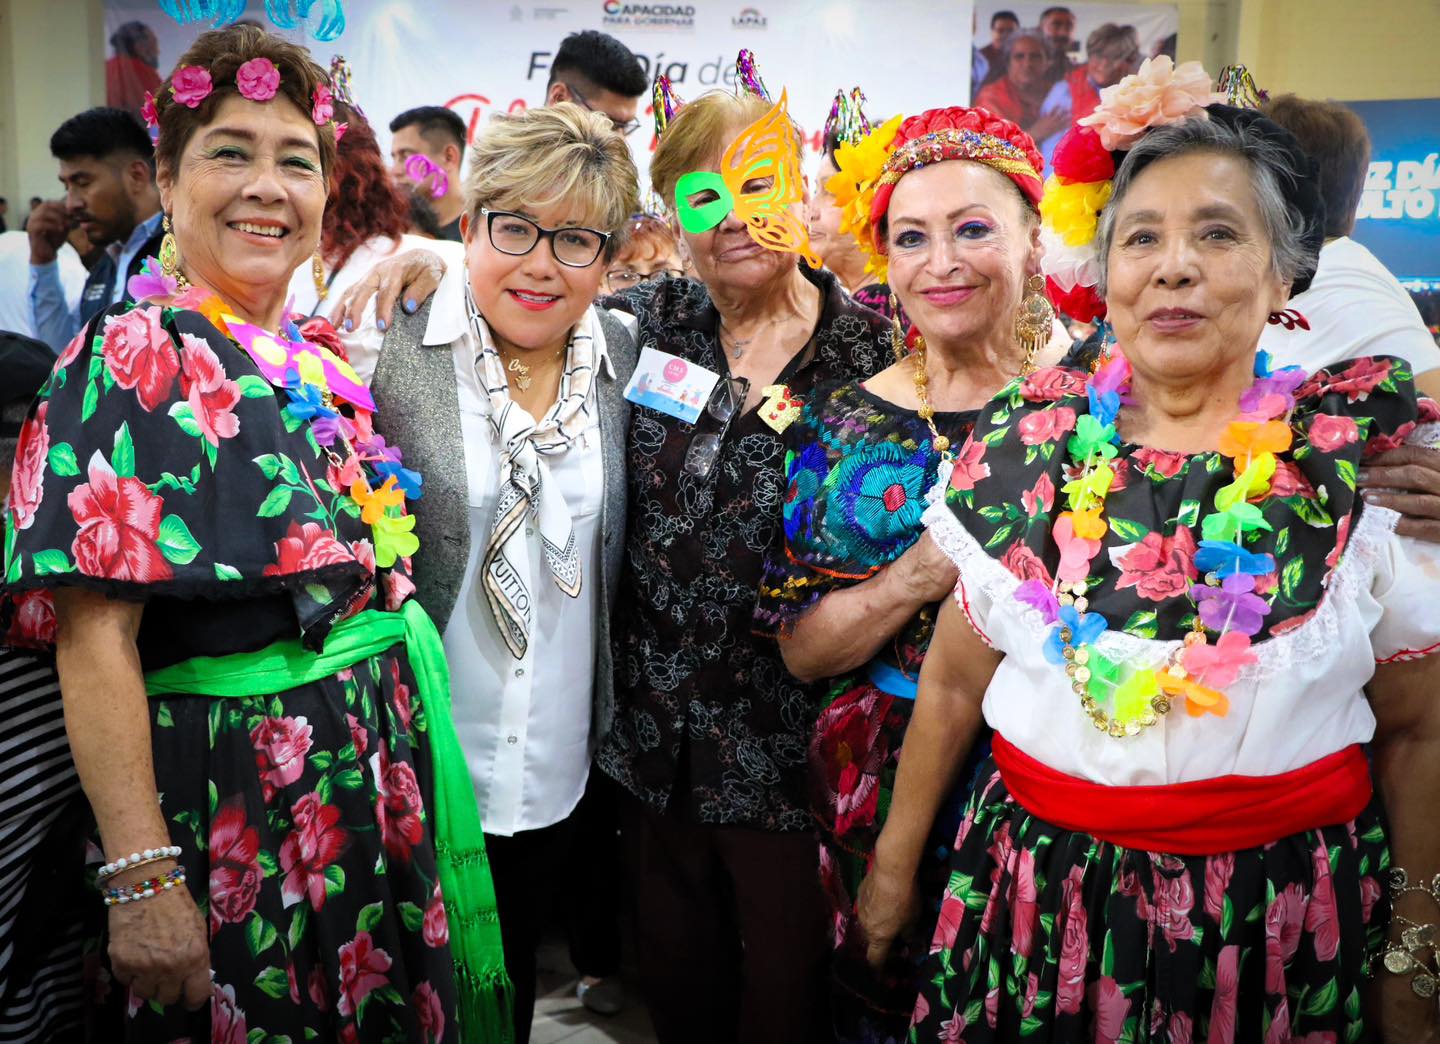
(559, 1016)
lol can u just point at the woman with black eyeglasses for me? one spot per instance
(505, 390)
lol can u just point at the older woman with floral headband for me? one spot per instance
(1171, 603)
(946, 203)
(258, 715)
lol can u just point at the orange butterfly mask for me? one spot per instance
(759, 179)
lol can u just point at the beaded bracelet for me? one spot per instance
(145, 889)
(134, 859)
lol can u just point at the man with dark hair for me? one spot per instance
(1354, 306)
(438, 134)
(990, 64)
(134, 68)
(599, 73)
(107, 166)
(1057, 24)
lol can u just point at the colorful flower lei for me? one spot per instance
(1225, 599)
(317, 383)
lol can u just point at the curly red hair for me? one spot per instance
(1009, 162)
(364, 202)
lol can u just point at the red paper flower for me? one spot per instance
(1081, 303)
(1081, 159)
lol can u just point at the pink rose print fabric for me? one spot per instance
(159, 466)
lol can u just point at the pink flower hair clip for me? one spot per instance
(258, 79)
(322, 109)
(191, 85)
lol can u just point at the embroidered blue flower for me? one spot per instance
(1084, 630)
(880, 496)
(807, 471)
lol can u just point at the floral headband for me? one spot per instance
(1083, 170)
(258, 80)
(868, 170)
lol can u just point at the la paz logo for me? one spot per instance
(749, 18)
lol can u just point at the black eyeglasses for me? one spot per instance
(725, 402)
(627, 127)
(627, 279)
(517, 235)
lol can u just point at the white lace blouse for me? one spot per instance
(1303, 700)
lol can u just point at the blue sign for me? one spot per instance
(1399, 215)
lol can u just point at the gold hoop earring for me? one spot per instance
(317, 272)
(897, 335)
(169, 251)
(1034, 323)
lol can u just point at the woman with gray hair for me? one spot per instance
(1181, 531)
(505, 388)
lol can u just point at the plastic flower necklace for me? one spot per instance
(314, 378)
(1225, 599)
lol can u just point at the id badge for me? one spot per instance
(671, 385)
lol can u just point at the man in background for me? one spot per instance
(1057, 25)
(107, 166)
(438, 134)
(4, 206)
(599, 73)
(134, 68)
(989, 61)
(1354, 306)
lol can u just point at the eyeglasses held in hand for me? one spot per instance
(726, 401)
(626, 127)
(625, 279)
(515, 234)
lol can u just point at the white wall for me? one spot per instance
(52, 65)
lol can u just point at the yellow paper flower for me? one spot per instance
(1073, 210)
(859, 166)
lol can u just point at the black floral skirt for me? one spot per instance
(854, 753)
(1050, 935)
(308, 847)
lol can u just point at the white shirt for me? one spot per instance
(363, 343)
(1302, 701)
(15, 311)
(524, 724)
(1355, 307)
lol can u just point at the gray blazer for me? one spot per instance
(418, 409)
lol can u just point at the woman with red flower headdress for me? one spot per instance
(208, 534)
(1136, 543)
(946, 201)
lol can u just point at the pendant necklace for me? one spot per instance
(523, 380)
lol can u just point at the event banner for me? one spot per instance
(1399, 215)
(488, 57)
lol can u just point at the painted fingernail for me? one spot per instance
(380, 323)
(1363, 475)
(349, 325)
(1370, 497)
(410, 304)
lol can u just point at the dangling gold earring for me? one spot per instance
(1035, 322)
(317, 272)
(897, 337)
(169, 251)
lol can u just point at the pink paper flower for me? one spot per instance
(322, 111)
(1158, 94)
(258, 79)
(340, 129)
(147, 111)
(190, 85)
(1217, 666)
